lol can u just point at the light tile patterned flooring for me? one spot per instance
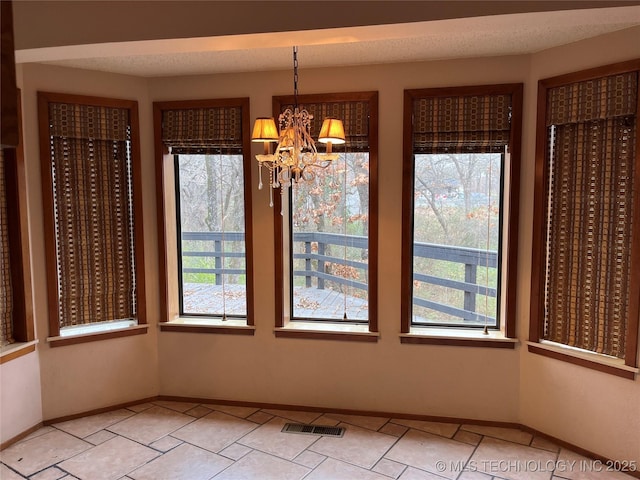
(188, 441)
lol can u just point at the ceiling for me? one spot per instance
(494, 35)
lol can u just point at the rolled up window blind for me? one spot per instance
(354, 115)
(461, 124)
(203, 130)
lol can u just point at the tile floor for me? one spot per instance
(176, 440)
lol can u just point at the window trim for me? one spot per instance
(167, 221)
(44, 98)
(509, 259)
(16, 350)
(20, 259)
(536, 323)
(282, 315)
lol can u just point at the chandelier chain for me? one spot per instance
(296, 154)
(295, 76)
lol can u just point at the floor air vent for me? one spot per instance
(313, 429)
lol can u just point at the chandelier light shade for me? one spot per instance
(295, 154)
(332, 131)
(264, 130)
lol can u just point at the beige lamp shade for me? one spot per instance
(288, 139)
(332, 131)
(264, 130)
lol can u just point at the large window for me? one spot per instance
(206, 218)
(586, 264)
(459, 205)
(329, 228)
(93, 214)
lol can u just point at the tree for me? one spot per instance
(456, 202)
(335, 201)
(462, 192)
(212, 200)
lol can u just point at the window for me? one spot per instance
(586, 262)
(16, 319)
(206, 218)
(93, 216)
(460, 207)
(328, 270)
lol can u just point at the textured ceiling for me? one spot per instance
(444, 39)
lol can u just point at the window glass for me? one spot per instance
(330, 224)
(456, 242)
(210, 194)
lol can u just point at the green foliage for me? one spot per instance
(209, 262)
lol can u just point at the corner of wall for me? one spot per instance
(592, 410)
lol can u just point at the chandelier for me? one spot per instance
(296, 155)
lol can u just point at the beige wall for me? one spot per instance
(20, 394)
(593, 410)
(488, 384)
(91, 375)
(20, 398)
(387, 376)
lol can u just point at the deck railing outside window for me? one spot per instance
(316, 270)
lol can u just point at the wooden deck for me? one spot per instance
(323, 304)
(330, 304)
(206, 298)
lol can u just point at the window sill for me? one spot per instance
(100, 327)
(595, 361)
(62, 341)
(327, 331)
(208, 325)
(458, 337)
(16, 350)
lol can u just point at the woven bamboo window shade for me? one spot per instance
(591, 128)
(93, 204)
(461, 124)
(208, 130)
(354, 116)
(6, 292)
